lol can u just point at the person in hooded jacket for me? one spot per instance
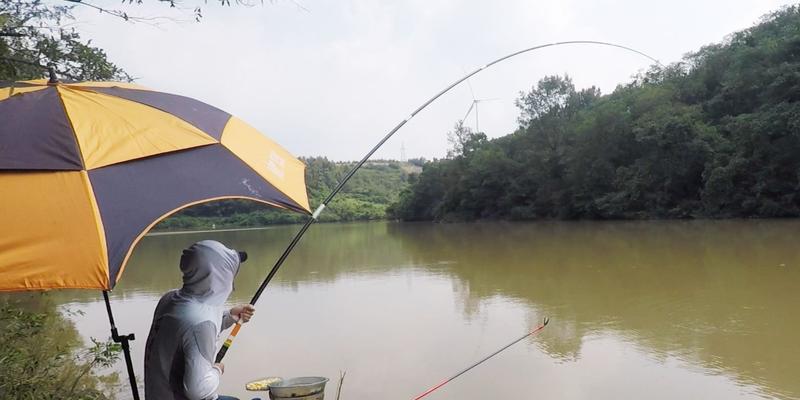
(179, 355)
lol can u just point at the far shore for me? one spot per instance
(162, 233)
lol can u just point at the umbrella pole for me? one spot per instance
(126, 348)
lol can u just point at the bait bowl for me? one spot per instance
(307, 387)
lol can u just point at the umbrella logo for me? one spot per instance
(250, 188)
(276, 164)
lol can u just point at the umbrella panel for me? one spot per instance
(36, 134)
(51, 238)
(134, 196)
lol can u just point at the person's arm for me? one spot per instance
(227, 319)
(242, 312)
(201, 376)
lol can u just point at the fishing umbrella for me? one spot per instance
(87, 168)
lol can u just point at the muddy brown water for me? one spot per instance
(657, 310)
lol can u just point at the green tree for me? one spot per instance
(35, 35)
(714, 135)
(463, 141)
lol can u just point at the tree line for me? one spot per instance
(715, 135)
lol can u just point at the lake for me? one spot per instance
(656, 310)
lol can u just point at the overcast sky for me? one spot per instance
(331, 78)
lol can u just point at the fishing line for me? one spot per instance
(462, 372)
(313, 218)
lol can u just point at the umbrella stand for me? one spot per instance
(126, 348)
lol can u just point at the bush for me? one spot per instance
(41, 356)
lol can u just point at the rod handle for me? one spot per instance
(228, 342)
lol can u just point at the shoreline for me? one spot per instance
(480, 221)
(164, 233)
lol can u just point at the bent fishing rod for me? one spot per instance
(315, 215)
(446, 381)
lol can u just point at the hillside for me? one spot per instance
(716, 135)
(365, 197)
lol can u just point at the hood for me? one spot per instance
(208, 271)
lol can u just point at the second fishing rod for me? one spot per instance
(313, 217)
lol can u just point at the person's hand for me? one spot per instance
(220, 367)
(243, 312)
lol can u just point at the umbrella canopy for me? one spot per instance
(86, 169)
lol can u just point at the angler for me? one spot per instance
(178, 356)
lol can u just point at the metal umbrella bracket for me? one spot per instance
(124, 341)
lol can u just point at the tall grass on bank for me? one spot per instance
(42, 356)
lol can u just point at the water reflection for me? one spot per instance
(708, 292)
(639, 309)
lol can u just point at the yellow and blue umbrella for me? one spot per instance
(86, 169)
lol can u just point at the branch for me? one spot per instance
(43, 67)
(130, 18)
(198, 13)
(301, 7)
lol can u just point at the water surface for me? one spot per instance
(657, 310)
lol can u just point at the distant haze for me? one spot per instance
(333, 77)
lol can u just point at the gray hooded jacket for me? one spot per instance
(179, 355)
